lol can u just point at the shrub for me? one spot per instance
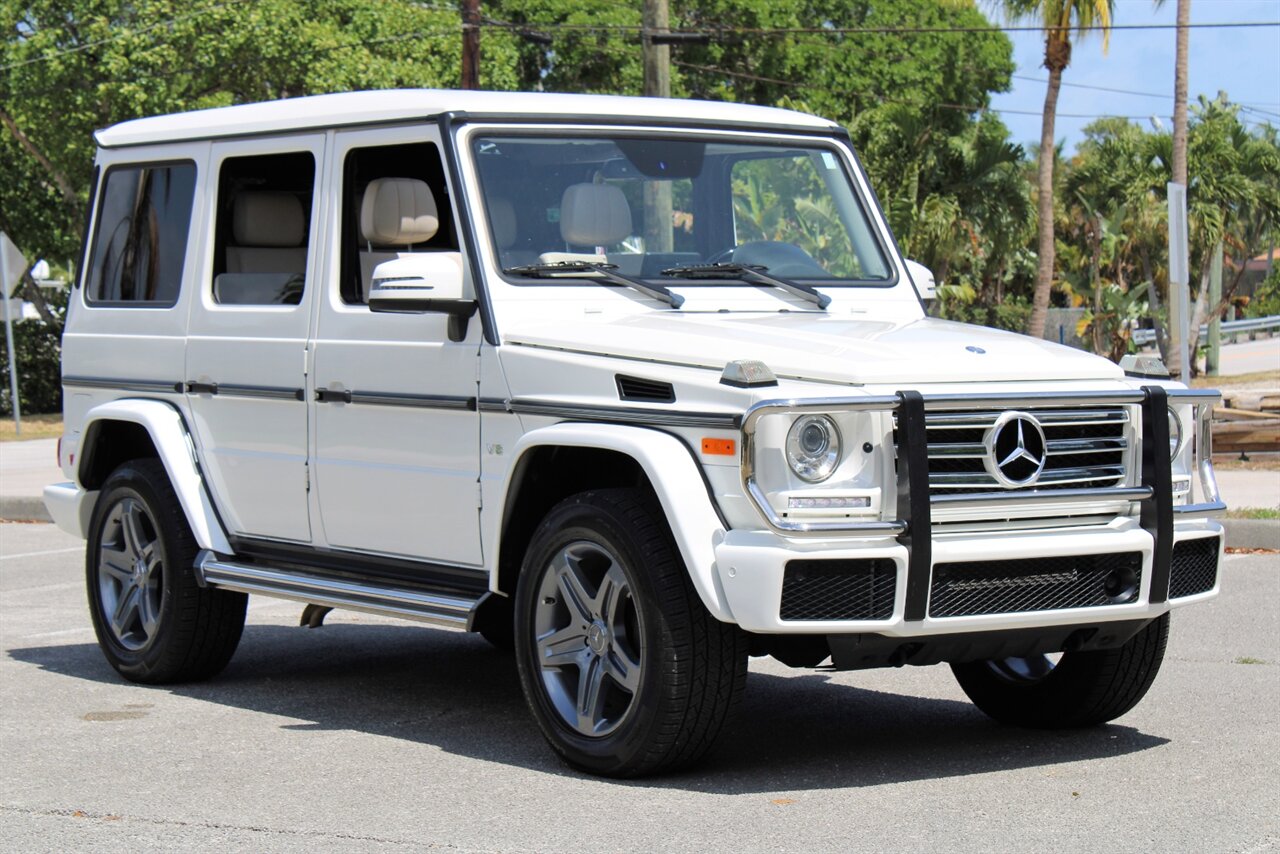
(38, 347)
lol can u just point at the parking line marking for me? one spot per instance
(46, 552)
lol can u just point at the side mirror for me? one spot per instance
(422, 283)
(922, 278)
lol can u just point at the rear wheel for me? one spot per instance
(625, 671)
(1079, 689)
(154, 622)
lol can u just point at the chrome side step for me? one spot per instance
(374, 597)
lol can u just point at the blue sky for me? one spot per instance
(1245, 62)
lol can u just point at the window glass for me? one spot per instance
(140, 241)
(263, 228)
(650, 205)
(375, 177)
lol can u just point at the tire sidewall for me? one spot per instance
(577, 521)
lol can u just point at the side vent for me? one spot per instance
(640, 390)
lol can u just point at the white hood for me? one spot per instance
(825, 348)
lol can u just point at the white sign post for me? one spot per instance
(1179, 307)
(12, 266)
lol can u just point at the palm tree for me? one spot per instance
(1059, 18)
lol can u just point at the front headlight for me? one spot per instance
(813, 448)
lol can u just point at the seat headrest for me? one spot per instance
(502, 218)
(268, 219)
(398, 212)
(594, 215)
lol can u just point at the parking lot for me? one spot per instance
(372, 735)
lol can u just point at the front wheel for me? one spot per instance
(625, 670)
(154, 622)
(1078, 690)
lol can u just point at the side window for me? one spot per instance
(394, 201)
(262, 228)
(140, 241)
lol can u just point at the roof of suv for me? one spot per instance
(348, 108)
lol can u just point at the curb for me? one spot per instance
(1252, 533)
(23, 508)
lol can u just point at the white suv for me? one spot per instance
(638, 387)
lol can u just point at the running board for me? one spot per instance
(374, 597)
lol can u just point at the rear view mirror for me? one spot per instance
(423, 283)
(922, 278)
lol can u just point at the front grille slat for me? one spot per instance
(1034, 584)
(1084, 448)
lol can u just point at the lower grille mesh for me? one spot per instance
(839, 589)
(1034, 584)
(1195, 567)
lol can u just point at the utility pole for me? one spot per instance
(470, 44)
(657, 84)
(1179, 299)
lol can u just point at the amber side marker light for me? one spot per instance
(719, 447)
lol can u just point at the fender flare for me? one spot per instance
(168, 431)
(676, 479)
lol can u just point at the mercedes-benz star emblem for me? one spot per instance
(1015, 450)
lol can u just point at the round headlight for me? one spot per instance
(1175, 433)
(813, 447)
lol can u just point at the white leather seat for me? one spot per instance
(595, 215)
(268, 233)
(394, 212)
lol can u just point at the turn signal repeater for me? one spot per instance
(719, 447)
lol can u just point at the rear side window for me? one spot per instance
(140, 243)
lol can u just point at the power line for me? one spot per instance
(886, 30)
(1243, 104)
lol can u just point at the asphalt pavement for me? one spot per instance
(373, 735)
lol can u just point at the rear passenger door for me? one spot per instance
(396, 454)
(248, 332)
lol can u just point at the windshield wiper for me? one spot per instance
(755, 273)
(606, 271)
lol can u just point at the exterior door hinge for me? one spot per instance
(479, 496)
(306, 476)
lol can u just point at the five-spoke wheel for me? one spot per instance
(589, 639)
(154, 622)
(625, 670)
(130, 573)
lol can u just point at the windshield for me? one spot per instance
(649, 205)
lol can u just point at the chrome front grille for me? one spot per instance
(1084, 449)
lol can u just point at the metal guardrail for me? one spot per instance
(1145, 337)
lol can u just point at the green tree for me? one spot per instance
(1060, 18)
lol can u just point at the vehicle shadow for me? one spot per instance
(454, 691)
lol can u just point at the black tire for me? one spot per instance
(687, 669)
(155, 624)
(1082, 689)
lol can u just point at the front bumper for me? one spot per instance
(752, 566)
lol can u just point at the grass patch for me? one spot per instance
(1258, 461)
(1258, 379)
(33, 427)
(1245, 659)
(1253, 513)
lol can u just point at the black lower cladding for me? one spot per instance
(1034, 584)
(1195, 567)
(839, 589)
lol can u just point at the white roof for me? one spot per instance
(391, 105)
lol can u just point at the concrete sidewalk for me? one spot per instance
(26, 467)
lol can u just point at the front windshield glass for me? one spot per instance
(648, 205)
